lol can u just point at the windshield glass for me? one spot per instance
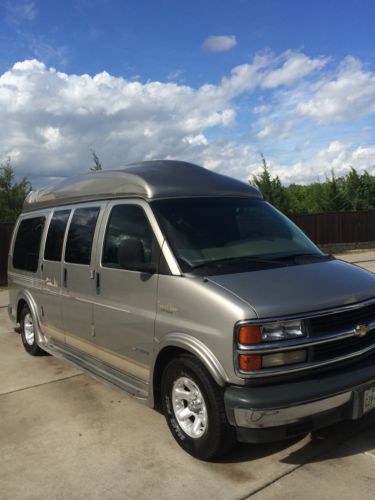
(241, 232)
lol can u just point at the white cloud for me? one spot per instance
(53, 119)
(17, 11)
(51, 135)
(349, 96)
(295, 67)
(220, 43)
(50, 120)
(195, 140)
(339, 95)
(337, 156)
(46, 51)
(175, 75)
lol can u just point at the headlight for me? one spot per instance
(282, 331)
(270, 332)
(252, 357)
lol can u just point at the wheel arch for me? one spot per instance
(25, 297)
(177, 344)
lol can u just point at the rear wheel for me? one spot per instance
(28, 333)
(194, 409)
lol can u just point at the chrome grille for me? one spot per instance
(342, 321)
(339, 348)
(332, 337)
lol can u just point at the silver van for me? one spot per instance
(188, 291)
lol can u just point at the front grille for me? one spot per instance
(338, 348)
(337, 341)
(342, 321)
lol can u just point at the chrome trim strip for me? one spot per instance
(260, 418)
(308, 315)
(305, 342)
(285, 369)
(99, 370)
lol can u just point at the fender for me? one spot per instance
(30, 301)
(194, 346)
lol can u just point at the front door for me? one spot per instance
(125, 306)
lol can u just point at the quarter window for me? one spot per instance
(55, 236)
(126, 221)
(27, 244)
(81, 235)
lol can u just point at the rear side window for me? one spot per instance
(55, 236)
(81, 235)
(126, 221)
(27, 245)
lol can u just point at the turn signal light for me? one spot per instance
(249, 362)
(250, 334)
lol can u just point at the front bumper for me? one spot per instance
(284, 410)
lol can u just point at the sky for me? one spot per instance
(217, 83)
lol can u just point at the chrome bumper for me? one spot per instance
(270, 412)
(260, 419)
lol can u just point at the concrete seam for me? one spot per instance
(264, 486)
(40, 385)
(286, 473)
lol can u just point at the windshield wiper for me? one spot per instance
(295, 257)
(230, 260)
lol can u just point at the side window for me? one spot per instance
(126, 221)
(27, 244)
(55, 236)
(80, 235)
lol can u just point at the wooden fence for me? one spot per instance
(338, 227)
(5, 237)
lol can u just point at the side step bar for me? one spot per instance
(100, 371)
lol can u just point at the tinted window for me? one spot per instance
(55, 236)
(126, 221)
(81, 235)
(27, 245)
(229, 231)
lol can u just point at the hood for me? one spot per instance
(301, 288)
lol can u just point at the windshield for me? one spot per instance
(230, 234)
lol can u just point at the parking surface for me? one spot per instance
(64, 435)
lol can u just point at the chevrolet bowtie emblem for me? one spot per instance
(361, 330)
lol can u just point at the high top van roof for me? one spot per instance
(150, 180)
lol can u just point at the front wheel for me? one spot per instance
(194, 409)
(28, 333)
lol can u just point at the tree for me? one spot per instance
(359, 190)
(97, 164)
(12, 194)
(271, 188)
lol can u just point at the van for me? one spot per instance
(188, 291)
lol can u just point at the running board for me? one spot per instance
(100, 371)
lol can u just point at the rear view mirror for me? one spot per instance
(131, 255)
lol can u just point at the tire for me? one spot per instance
(27, 329)
(193, 406)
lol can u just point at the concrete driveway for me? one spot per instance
(65, 436)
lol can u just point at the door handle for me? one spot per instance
(65, 277)
(97, 283)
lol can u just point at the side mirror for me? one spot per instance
(131, 255)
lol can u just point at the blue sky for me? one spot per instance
(216, 83)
